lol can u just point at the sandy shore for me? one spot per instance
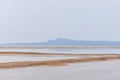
(59, 66)
(62, 62)
(52, 54)
(106, 70)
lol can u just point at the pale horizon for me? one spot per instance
(64, 39)
(26, 21)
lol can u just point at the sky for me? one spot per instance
(42, 20)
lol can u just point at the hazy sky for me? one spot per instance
(41, 20)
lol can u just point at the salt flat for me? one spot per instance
(107, 70)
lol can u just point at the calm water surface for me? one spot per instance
(104, 50)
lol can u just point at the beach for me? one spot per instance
(19, 65)
(107, 70)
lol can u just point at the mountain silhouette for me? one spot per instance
(64, 41)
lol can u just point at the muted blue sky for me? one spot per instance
(42, 20)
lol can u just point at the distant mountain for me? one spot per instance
(63, 41)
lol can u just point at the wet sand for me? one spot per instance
(80, 58)
(58, 66)
(71, 67)
(106, 70)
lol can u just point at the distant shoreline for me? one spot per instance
(57, 47)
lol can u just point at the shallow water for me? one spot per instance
(4, 59)
(67, 51)
(108, 70)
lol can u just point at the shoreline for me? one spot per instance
(62, 62)
(59, 54)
